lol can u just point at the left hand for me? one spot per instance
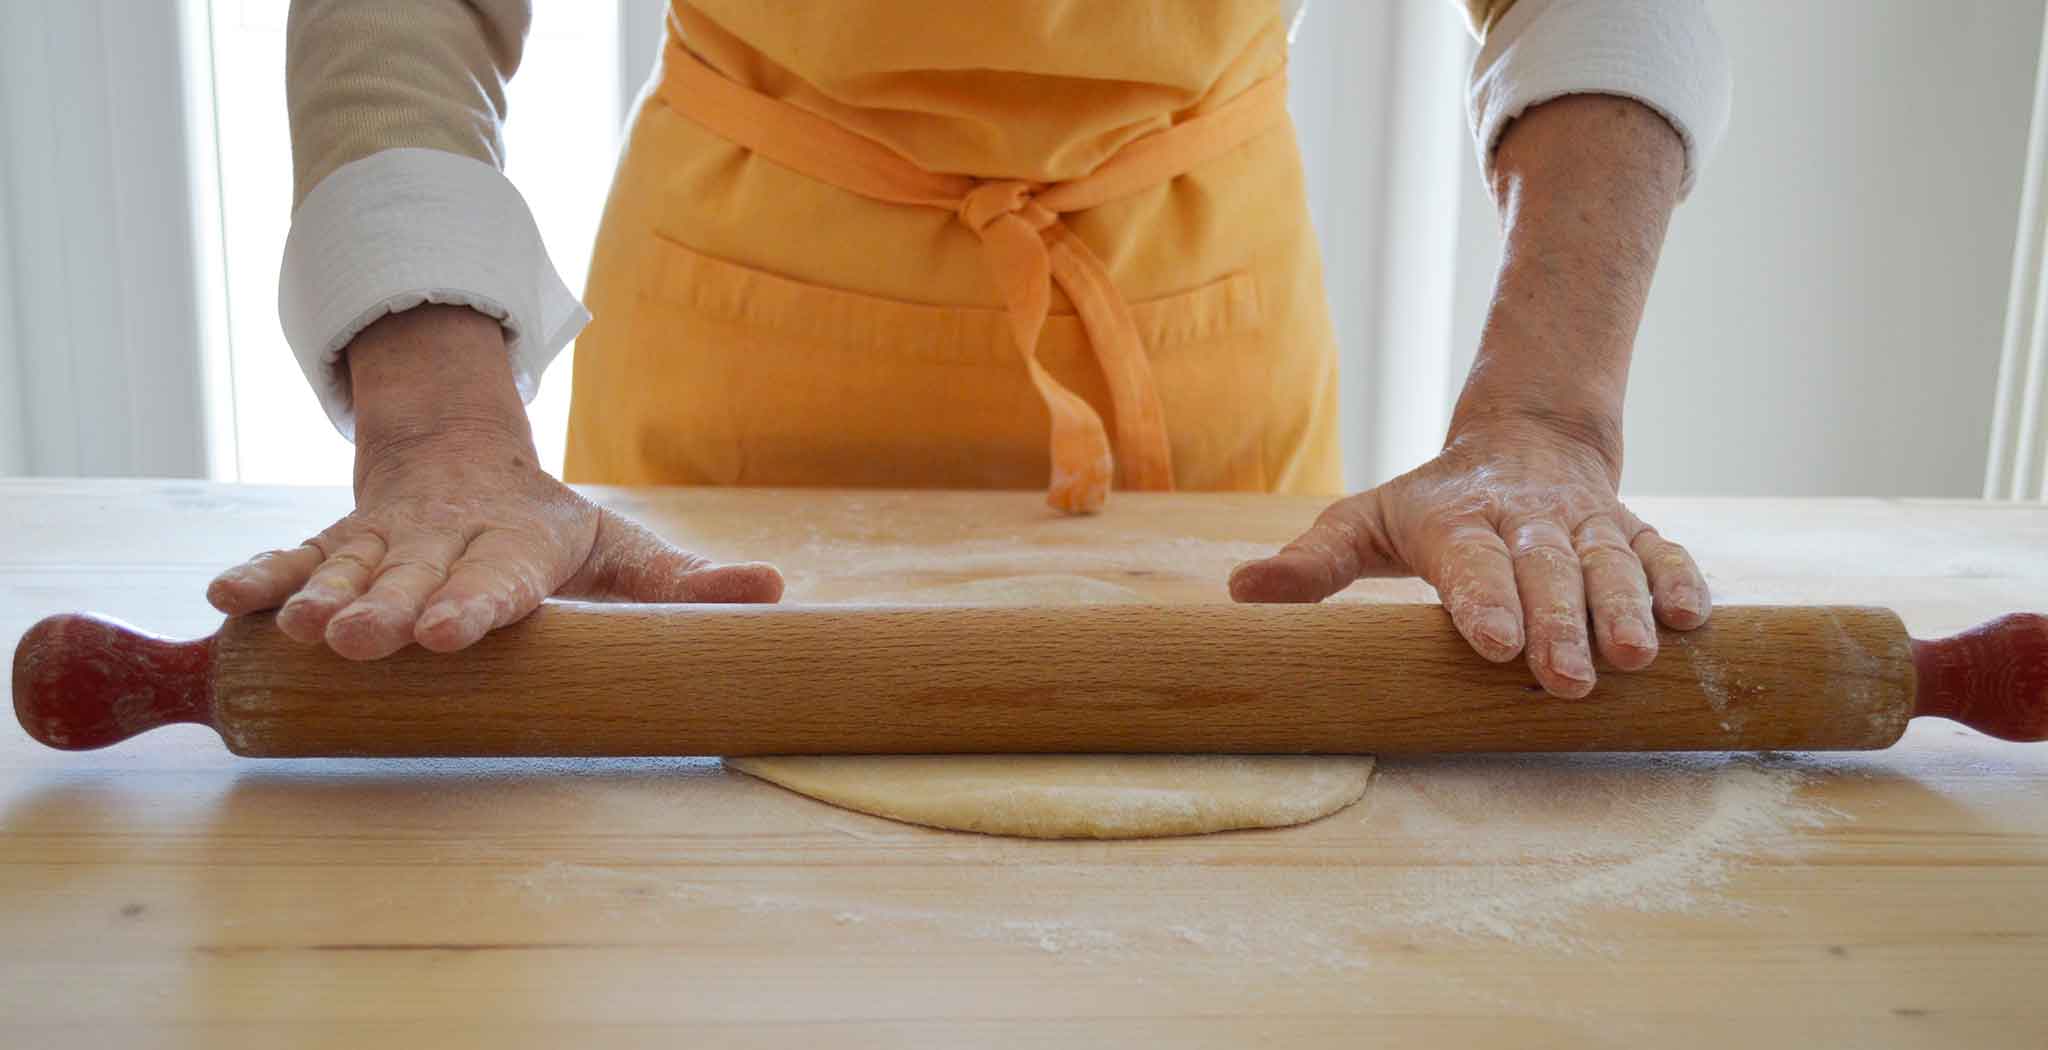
(1518, 527)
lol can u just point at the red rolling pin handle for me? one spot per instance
(84, 681)
(1992, 677)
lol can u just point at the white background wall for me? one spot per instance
(1827, 316)
(1826, 320)
(105, 243)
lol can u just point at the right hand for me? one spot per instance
(457, 531)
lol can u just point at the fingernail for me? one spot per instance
(476, 615)
(354, 617)
(330, 602)
(1686, 600)
(347, 623)
(1496, 628)
(1567, 662)
(320, 592)
(1629, 633)
(472, 617)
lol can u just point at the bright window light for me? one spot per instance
(561, 141)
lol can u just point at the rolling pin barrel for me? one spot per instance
(736, 680)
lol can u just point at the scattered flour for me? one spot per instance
(1527, 850)
(1530, 846)
(1530, 851)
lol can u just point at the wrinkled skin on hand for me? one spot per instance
(459, 535)
(1519, 529)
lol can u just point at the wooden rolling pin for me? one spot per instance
(578, 679)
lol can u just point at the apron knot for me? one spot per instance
(989, 201)
(1027, 256)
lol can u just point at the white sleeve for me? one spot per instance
(1662, 53)
(403, 227)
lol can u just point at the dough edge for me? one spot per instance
(1069, 796)
(1077, 796)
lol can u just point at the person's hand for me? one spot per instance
(1518, 528)
(455, 539)
(457, 531)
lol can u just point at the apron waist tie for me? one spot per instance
(1023, 239)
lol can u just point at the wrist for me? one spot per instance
(430, 377)
(1594, 429)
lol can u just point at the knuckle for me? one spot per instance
(323, 588)
(677, 562)
(438, 513)
(1539, 532)
(513, 582)
(347, 561)
(1553, 629)
(1332, 529)
(1619, 599)
(1473, 593)
(1472, 539)
(1673, 562)
(270, 558)
(1604, 540)
(413, 567)
(1546, 558)
(1609, 558)
(1475, 568)
(1598, 529)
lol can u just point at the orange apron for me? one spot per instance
(785, 286)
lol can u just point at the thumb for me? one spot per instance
(1346, 542)
(629, 563)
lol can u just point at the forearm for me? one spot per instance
(396, 108)
(1585, 185)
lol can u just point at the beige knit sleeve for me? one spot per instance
(363, 76)
(1480, 15)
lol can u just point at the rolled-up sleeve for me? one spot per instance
(397, 109)
(1664, 54)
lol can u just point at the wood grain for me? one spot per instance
(165, 893)
(1334, 679)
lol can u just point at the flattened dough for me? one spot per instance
(1078, 796)
(1071, 796)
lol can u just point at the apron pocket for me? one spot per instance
(746, 377)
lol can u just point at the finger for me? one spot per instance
(1678, 592)
(338, 581)
(1550, 581)
(1475, 579)
(500, 578)
(1345, 542)
(1617, 594)
(628, 563)
(381, 621)
(264, 581)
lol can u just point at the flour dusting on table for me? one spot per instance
(1528, 851)
(1528, 846)
(1524, 850)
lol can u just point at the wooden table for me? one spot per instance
(165, 893)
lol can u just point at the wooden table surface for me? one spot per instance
(165, 893)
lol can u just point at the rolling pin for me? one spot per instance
(582, 679)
